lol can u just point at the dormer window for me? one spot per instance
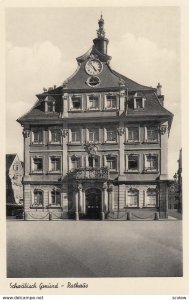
(76, 102)
(139, 101)
(49, 104)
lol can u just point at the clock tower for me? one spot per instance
(101, 42)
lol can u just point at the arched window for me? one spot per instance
(132, 198)
(38, 198)
(56, 198)
(151, 197)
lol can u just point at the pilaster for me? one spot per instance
(164, 151)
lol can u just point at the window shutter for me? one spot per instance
(87, 134)
(86, 161)
(31, 197)
(50, 135)
(69, 135)
(49, 197)
(105, 135)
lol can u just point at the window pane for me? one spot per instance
(139, 103)
(50, 106)
(132, 198)
(111, 135)
(55, 198)
(55, 136)
(76, 102)
(111, 163)
(93, 101)
(93, 135)
(151, 162)
(133, 134)
(151, 198)
(111, 101)
(37, 137)
(38, 198)
(75, 162)
(55, 164)
(133, 162)
(76, 135)
(37, 164)
(152, 134)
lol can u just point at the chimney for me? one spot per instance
(160, 96)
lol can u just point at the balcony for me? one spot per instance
(90, 173)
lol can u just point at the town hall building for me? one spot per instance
(96, 147)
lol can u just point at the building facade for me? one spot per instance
(14, 186)
(97, 146)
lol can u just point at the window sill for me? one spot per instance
(55, 143)
(110, 109)
(150, 171)
(74, 144)
(37, 207)
(132, 143)
(150, 142)
(54, 173)
(53, 206)
(113, 171)
(132, 172)
(36, 173)
(93, 109)
(110, 142)
(37, 144)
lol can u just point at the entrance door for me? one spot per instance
(93, 203)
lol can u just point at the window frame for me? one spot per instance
(51, 204)
(88, 101)
(151, 170)
(71, 98)
(37, 205)
(32, 164)
(127, 198)
(135, 98)
(106, 102)
(78, 158)
(39, 130)
(81, 136)
(133, 141)
(127, 163)
(106, 162)
(88, 135)
(50, 130)
(59, 157)
(147, 140)
(106, 129)
(147, 197)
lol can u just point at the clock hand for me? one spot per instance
(93, 67)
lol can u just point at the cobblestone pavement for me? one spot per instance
(94, 249)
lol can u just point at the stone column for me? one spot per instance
(110, 198)
(64, 171)
(163, 200)
(26, 135)
(164, 151)
(76, 205)
(84, 202)
(80, 197)
(121, 160)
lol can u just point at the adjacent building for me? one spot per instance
(97, 146)
(14, 186)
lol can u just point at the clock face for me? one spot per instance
(93, 67)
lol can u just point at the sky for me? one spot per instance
(42, 44)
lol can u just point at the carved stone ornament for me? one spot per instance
(121, 81)
(64, 132)
(163, 129)
(26, 133)
(91, 148)
(121, 130)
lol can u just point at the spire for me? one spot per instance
(100, 31)
(101, 42)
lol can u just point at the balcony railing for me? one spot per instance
(90, 173)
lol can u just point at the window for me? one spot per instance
(76, 102)
(93, 81)
(151, 197)
(55, 198)
(37, 137)
(132, 198)
(93, 162)
(55, 136)
(111, 135)
(75, 135)
(132, 162)
(38, 198)
(111, 101)
(93, 135)
(152, 134)
(133, 134)
(111, 162)
(139, 103)
(93, 102)
(55, 164)
(37, 165)
(50, 106)
(151, 162)
(75, 162)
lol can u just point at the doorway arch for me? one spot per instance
(93, 197)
